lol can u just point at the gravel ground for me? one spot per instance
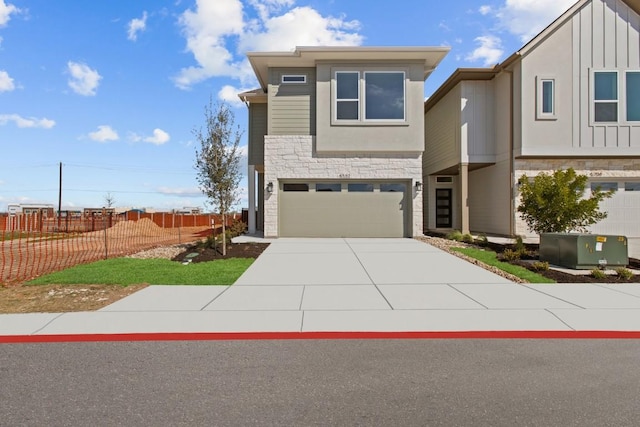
(166, 252)
(447, 245)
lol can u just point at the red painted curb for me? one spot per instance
(236, 336)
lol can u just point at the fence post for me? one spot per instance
(104, 226)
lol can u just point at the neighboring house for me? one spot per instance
(569, 98)
(336, 137)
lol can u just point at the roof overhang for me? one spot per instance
(310, 56)
(257, 96)
(461, 74)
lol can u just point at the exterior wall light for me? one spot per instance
(418, 186)
(270, 187)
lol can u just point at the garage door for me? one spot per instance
(343, 209)
(623, 209)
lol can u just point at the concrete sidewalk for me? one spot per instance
(352, 285)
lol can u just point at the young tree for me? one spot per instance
(218, 160)
(555, 203)
(109, 200)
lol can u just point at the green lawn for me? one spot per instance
(490, 258)
(129, 271)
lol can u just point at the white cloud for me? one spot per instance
(137, 25)
(159, 137)
(6, 82)
(229, 94)
(84, 80)
(485, 10)
(278, 26)
(489, 52)
(526, 18)
(104, 133)
(30, 122)
(6, 9)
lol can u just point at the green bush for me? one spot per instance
(482, 240)
(237, 228)
(467, 238)
(455, 235)
(540, 265)
(510, 255)
(596, 273)
(624, 273)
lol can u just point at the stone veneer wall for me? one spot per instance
(593, 168)
(294, 157)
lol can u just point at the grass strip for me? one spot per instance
(129, 271)
(491, 258)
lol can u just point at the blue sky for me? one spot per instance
(114, 89)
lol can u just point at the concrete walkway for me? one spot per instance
(352, 285)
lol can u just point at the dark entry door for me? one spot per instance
(444, 217)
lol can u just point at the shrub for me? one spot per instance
(510, 255)
(482, 240)
(596, 273)
(624, 273)
(467, 238)
(455, 235)
(519, 246)
(237, 228)
(540, 265)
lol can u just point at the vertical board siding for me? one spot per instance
(257, 131)
(292, 108)
(478, 115)
(606, 37)
(442, 133)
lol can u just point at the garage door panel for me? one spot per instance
(342, 214)
(623, 214)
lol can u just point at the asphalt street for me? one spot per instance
(339, 382)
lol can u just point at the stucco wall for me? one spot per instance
(294, 157)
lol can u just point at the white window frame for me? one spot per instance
(626, 98)
(362, 120)
(364, 96)
(285, 76)
(540, 113)
(608, 101)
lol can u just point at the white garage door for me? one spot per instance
(623, 209)
(343, 209)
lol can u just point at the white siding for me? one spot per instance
(442, 134)
(478, 132)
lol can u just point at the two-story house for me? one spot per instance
(336, 139)
(569, 98)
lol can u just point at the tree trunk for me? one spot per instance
(224, 235)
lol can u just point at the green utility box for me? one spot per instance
(584, 251)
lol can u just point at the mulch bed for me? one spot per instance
(235, 250)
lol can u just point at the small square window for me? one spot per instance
(331, 187)
(604, 186)
(294, 78)
(295, 187)
(632, 186)
(360, 188)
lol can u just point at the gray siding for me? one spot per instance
(292, 106)
(257, 131)
(478, 132)
(372, 137)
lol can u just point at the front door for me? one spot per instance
(444, 217)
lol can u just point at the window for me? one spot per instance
(605, 90)
(546, 99)
(632, 186)
(336, 187)
(384, 95)
(604, 186)
(294, 78)
(295, 187)
(370, 96)
(347, 96)
(392, 188)
(443, 179)
(360, 188)
(633, 96)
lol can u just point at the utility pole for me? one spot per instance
(60, 197)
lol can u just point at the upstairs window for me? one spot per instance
(605, 90)
(347, 95)
(633, 96)
(546, 99)
(369, 96)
